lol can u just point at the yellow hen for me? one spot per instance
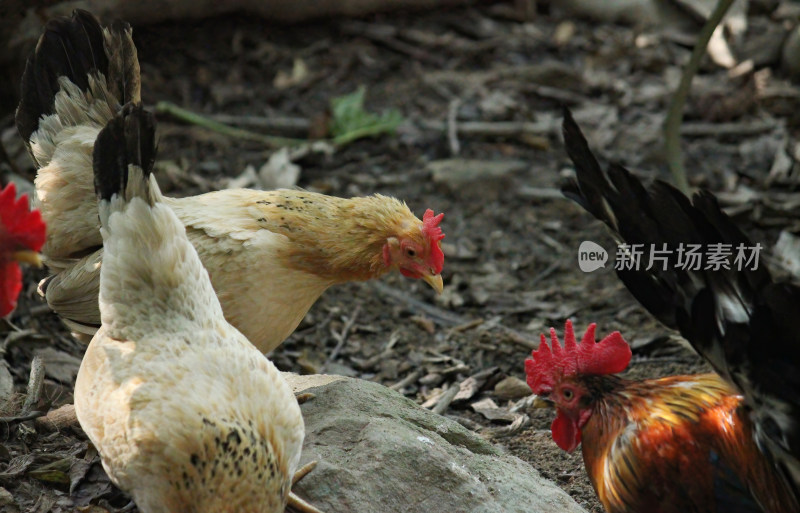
(166, 389)
(270, 254)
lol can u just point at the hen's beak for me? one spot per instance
(27, 257)
(435, 281)
(541, 402)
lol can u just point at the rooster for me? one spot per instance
(270, 254)
(669, 445)
(165, 389)
(22, 234)
(717, 442)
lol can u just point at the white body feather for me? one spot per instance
(186, 413)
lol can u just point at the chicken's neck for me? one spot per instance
(335, 238)
(621, 404)
(618, 401)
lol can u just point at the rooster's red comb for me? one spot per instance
(433, 232)
(20, 227)
(549, 365)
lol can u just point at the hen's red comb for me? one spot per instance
(20, 227)
(549, 365)
(433, 232)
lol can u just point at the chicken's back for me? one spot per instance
(166, 388)
(679, 444)
(75, 81)
(206, 424)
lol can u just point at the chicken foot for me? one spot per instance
(302, 397)
(295, 502)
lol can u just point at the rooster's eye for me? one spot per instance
(567, 394)
(410, 252)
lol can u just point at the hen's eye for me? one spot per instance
(410, 252)
(568, 394)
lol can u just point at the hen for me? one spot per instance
(270, 254)
(22, 234)
(165, 390)
(720, 442)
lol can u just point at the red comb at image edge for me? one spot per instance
(22, 234)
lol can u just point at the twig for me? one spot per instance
(58, 419)
(540, 192)
(467, 423)
(518, 338)
(492, 129)
(341, 337)
(439, 315)
(386, 353)
(411, 378)
(387, 36)
(544, 274)
(446, 399)
(273, 123)
(196, 119)
(24, 417)
(511, 429)
(729, 129)
(672, 124)
(35, 382)
(562, 95)
(13, 336)
(452, 129)
(467, 326)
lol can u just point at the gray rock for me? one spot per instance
(380, 452)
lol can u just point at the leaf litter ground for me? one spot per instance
(480, 95)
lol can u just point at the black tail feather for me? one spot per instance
(70, 47)
(741, 321)
(660, 215)
(129, 138)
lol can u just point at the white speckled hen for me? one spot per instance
(187, 415)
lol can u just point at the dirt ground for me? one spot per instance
(511, 240)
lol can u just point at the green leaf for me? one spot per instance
(350, 121)
(54, 472)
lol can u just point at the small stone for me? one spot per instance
(512, 388)
(6, 499)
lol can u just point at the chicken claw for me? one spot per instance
(302, 397)
(295, 502)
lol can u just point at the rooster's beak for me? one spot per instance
(541, 402)
(27, 257)
(435, 281)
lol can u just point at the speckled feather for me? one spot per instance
(166, 388)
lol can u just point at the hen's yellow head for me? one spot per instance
(417, 251)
